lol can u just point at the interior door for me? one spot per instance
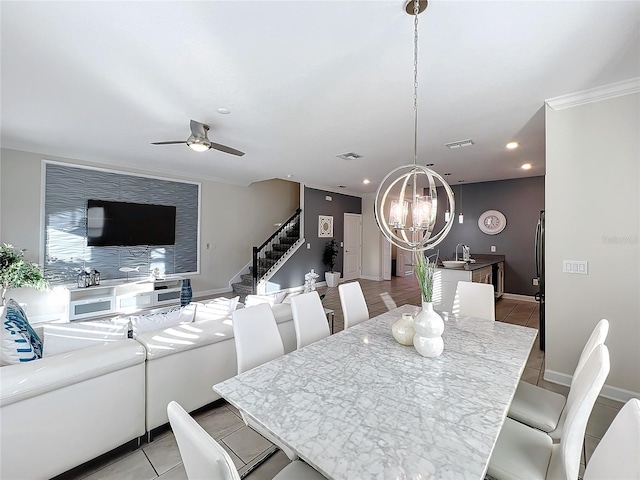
(352, 246)
(386, 258)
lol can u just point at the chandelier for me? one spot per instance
(406, 201)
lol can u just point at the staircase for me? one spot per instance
(269, 256)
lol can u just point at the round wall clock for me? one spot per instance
(492, 222)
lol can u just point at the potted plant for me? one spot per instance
(329, 256)
(16, 272)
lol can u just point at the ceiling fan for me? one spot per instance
(199, 142)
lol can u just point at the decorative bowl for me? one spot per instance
(454, 263)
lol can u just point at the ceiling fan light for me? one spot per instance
(198, 144)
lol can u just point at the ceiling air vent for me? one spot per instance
(349, 156)
(460, 143)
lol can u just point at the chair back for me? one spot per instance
(256, 335)
(309, 318)
(582, 396)
(354, 306)
(475, 300)
(618, 453)
(598, 336)
(201, 455)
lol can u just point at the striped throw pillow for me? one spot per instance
(20, 343)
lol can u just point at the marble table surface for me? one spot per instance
(360, 405)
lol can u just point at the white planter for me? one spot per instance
(332, 278)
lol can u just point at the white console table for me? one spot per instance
(119, 297)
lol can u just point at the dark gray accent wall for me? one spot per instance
(520, 200)
(315, 204)
(67, 190)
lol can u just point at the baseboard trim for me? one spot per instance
(520, 298)
(608, 391)
(371, 277)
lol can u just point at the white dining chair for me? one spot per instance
(256, 336)
(475, 300)
(541, 408)
(258, 341)
(354, 306)
(204, 458)
(309, 318)
(522, 452)
(617, 456)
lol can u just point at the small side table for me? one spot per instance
(329, 313)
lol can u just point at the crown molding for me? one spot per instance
(625, 87)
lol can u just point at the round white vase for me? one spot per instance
(429, 327)
(403, 331)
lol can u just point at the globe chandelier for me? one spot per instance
(409, 192)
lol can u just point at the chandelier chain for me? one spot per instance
(416, 11)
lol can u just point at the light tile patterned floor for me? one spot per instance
(160, 459)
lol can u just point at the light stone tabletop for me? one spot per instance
(358, 405)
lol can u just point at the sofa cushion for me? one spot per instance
(19, 342)
(282, 312)
(66, 337)
(216, 309)
(156, 321)
(30, 379)
(185, 337)
(272, 299)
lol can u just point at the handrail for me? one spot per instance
(276, 235)
(282, 227)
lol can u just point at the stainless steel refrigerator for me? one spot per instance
(539, 247)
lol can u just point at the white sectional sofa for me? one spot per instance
(60, 411)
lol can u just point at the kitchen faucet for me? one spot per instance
(466, 252)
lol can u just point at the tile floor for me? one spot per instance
(160, 459)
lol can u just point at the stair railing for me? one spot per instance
(259, 253)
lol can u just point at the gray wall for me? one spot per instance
(520, 200)
(315, 204)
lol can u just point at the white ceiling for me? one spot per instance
(305, 81)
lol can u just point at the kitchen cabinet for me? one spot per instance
(446, 280)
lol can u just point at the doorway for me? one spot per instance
(352, 266)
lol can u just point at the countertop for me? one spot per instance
(482, 260)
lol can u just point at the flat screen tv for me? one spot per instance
(128, 224)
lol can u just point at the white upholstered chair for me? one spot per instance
(258, 341)
(543, 409)
(475, 300)
(256, 336)
(204, 458)
(309, 318)
(618, 453)
(522, 452)
(354, 306)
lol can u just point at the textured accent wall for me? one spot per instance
(67, 189)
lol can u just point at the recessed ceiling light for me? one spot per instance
(224, 111)
(342, 186)
(526, 166)
(289, 175)
(430, 164)
(447, 174)
(512, 145)
(460, 181)
(366, 181)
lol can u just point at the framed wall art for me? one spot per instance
(325, 226)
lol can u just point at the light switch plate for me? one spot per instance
(579, 267)
(493, 248)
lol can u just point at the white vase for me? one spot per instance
(403, 331)
(429, 327)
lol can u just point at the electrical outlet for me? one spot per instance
(493, 248)
(308, 246)
(536, 282)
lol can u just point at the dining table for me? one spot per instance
(359, 405)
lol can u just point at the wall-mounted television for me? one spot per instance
(128, 224)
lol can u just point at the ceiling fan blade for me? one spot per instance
(199, 129)
(168, 143)
(225, 149)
